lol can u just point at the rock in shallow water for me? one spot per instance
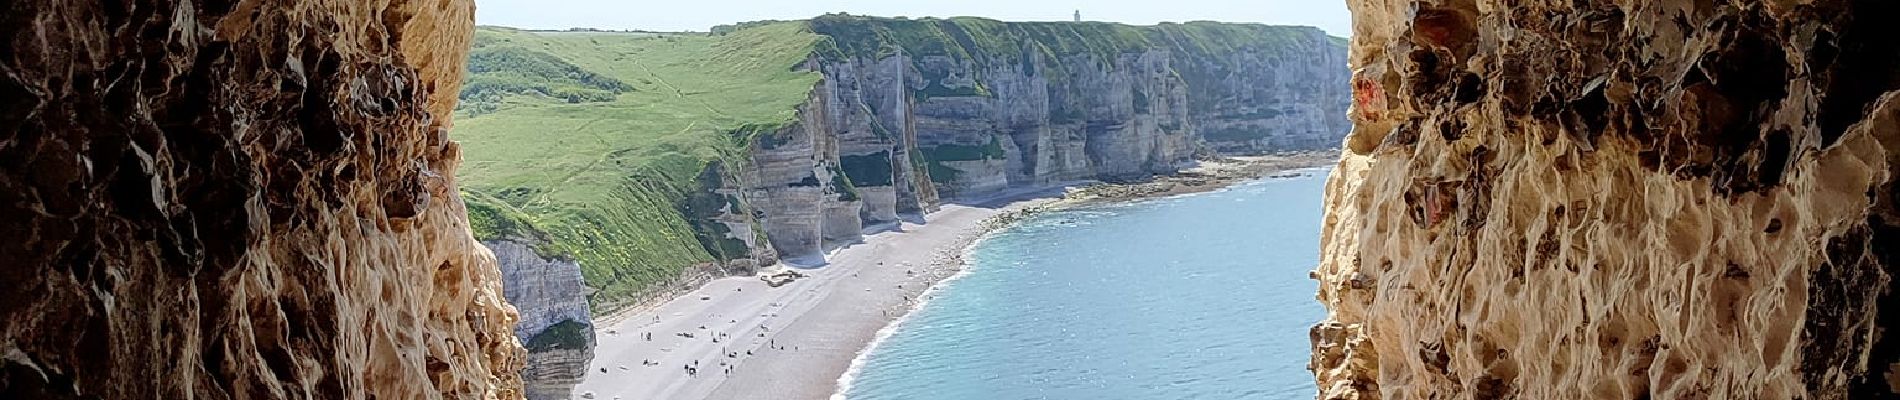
(217, 200)
(1616, 200)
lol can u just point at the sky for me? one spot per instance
(700, 15)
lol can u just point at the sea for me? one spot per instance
(1201, 296)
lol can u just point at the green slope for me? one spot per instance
(594, 138)
(594, 143)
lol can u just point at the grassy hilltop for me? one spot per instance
(590, 139)
(591, 142)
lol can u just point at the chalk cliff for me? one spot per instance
(555, 324)
(1616, 200)
(238, 200)
(881, 120)
(913, 112)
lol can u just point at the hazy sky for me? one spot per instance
(699, 15)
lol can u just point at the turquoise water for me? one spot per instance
(1197, 297)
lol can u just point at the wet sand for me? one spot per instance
(797, 340)
(793, 341)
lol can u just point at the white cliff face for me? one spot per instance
(1272, 102)
(792, 183)
(1120, 119)
(887, 135)
(547, 292)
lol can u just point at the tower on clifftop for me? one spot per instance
(1078, 15)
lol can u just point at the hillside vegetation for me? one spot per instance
(591, 144)
(599, 176)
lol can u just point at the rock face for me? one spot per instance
(911, 112)
(213, 201)
(1616, 200)
(548, 293)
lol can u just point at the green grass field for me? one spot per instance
(593, 143)
(603, 179)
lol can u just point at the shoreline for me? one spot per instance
(808, 339)
(1208, 175)
(1227, 172)
(794, 331)
(1000, 200)
(775, 378)
(960, 269)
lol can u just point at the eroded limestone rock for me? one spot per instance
(213, 200)
(1616, 200)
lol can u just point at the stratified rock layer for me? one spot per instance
(547, 291)
(842, 125)
(914, 111)
(218, 200)
(1616, 200)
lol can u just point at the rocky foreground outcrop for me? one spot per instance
(240, 200)
(1616, 200)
